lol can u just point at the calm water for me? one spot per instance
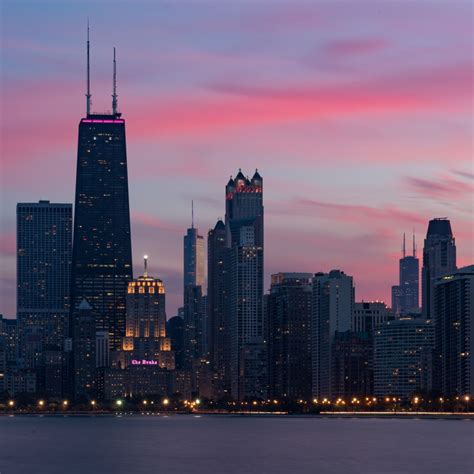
(183, 444)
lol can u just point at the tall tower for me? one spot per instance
(193, 257)
(405, 296)
(217, 304)
(102, 252)
(439, 258)
(244, 235)
(44, 240)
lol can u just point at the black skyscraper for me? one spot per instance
(102, 255)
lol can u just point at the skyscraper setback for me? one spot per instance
(102, 254)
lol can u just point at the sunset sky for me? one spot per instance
(358, 115)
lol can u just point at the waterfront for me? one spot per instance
(181, 444)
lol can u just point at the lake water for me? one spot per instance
(182, 444)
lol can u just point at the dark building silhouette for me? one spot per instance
(102, 253)
(194, 326)
(439, 258)
(44, 240)
(352, 374)
(289, 322)
(244, 228)
(84, 336)
(454, 332)
(405, 296)
(175, 331)
(217, 308)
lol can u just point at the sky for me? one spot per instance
(358, 116)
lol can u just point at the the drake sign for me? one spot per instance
(144, 362)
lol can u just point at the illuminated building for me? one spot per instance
(454, 332)
(145, 338)
(244, 235)
(332, 310)
(84, 340)
(289, 320)
(102, 255)
(403, 351)
(193, 258)
(405, 296)
(367, 315)
(439, 258)
(44, 239)
(218, 306)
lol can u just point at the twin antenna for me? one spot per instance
(114, 87)
(404, 246)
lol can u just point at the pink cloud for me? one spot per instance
(442, 188)
(355, 46)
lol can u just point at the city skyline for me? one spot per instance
(293, 136)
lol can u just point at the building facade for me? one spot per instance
(368, 315)
(439, 258)
(289, 321)
(454, 330)
(332, 310)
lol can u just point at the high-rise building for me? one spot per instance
(102, 254)
(145, 341)
(84, 336)
(405, 295)
(44, 239)
(454, 332)
(403, 357)
(175, 331)
(194, 328)
(194, 267)
(439, 258)
(368, 315)
(332, 310)
(247, 328)
(217, 308)
(289, 335)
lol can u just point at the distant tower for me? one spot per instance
(194, 270)
(102, 250)
(405, 296)
(439, 258)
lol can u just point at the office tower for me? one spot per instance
(454, 332)
(102, 255)
(175, 331)
(368, 315)
(289, 336)
(332, 310)
(44, 233)
(194, 328)
(145, 341)
(9, 335)
(102, 351)
(193, 272)
(352, 373)
(217, 304)
(403, 357)
(405, 299)
(244, 235)
(439, 258)
(84, 335)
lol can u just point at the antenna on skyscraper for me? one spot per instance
(404, 247)
(88, 95)
(414, 245)
(145, 261)
(192, 214)
(114, 88)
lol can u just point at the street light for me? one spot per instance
(41, 403)
(119, 403)
(166, 402)
(65, 403)
(11, 403)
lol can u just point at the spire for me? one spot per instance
(145, 262)
(88, 94)
(404, 246)
(192, 214)
(114, 88)
(414, 245)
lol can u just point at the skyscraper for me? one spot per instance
(244, 229)
(194, 270)
(454, 332)
(44, 232)
(218, 306)
(289, 321)
(439, 258)
(332, 310)
(405, 296)
(102, 254)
